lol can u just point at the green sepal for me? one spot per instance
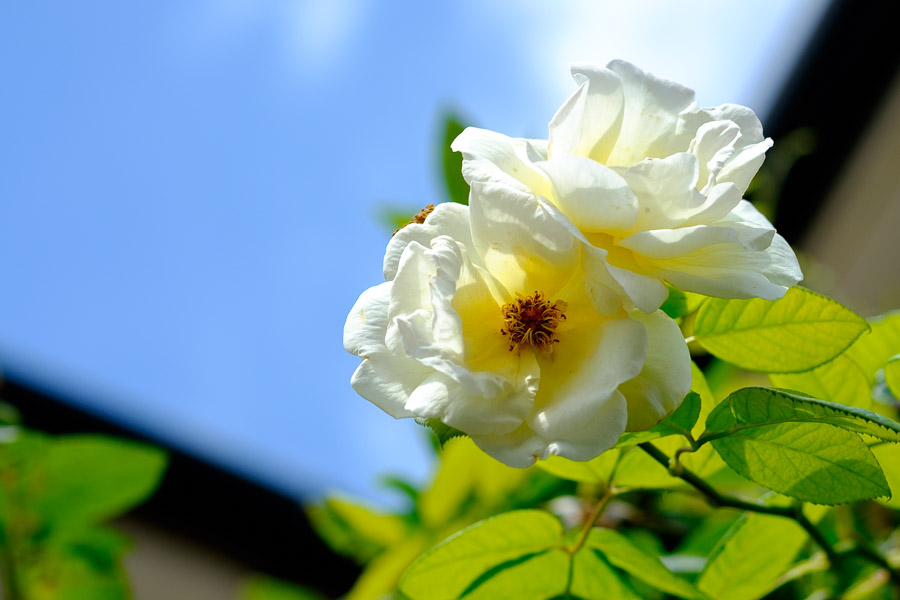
(442, 431)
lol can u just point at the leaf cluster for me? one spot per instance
(56, 494)
(773, 486)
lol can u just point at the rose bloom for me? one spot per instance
(651, 180)
(492, 321)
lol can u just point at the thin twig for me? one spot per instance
(720, 501)
(589, 523)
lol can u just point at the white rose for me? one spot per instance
(490, 322)
(653, 180)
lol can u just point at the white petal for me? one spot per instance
(712, 261)
(523, 446)
(665, 378)
(593, 196)
(387, 380)
(366, 324)
(744, 165)
(518, 448)
(588, 122)
(580, 377)
(647, 293)
(491, 156)
(442, 397)
(522, 245)
(652, 106)
(713, 146)
(666, 189)
(448, 218)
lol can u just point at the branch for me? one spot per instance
(720, 501)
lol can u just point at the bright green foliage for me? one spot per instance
(265, 588)
(840, 380)
(760, 407)
(456, 187)
(680, 422)
(90, 478)
(804, 448)
(594, 577)
(676, 303)
(888, 456)
(873, 350)
(532, 577)
(622, 553)
(892, 376)
(53, 493)
(354, 529)
(457, 565)
(468, 486)
(598, 471)
(442, 431)
(523, 555)
(750, 558)
(799, 332)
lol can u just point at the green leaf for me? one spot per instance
(621, 552)
(637, 470)
(594, 577)
(456, 188)
(873, 350)
(93, 478)
(453, 566)
(676, 303)
(892, 376)
(536, 577)
(799, 332)
(443, 431)
(840, 380)
(800, 447)
(761, 407)
(598, 470)
(266, 588)
(679, 422)
(751, 557)
(355, 530)
(467, 474)
(888, 456)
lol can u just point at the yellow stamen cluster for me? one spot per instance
(419, 218)
(532, 320)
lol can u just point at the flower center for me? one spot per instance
(419, 218)
(532, 320)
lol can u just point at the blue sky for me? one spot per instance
(190, 190)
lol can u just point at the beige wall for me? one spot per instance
(855, 243)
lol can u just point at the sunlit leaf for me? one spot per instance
(753, 407)
(382, 573)
(800, 447)
(840, 380)
(679, 422)
(753, 554)
(266, 588)
(355, 530)
(91, 478)
(892, 376)
(452, 567)
(594, 577)
(466, 473)
(799, 332)
(624, 554)
(597, 471)
(456, 188)
(874, 349)
(888, 456)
